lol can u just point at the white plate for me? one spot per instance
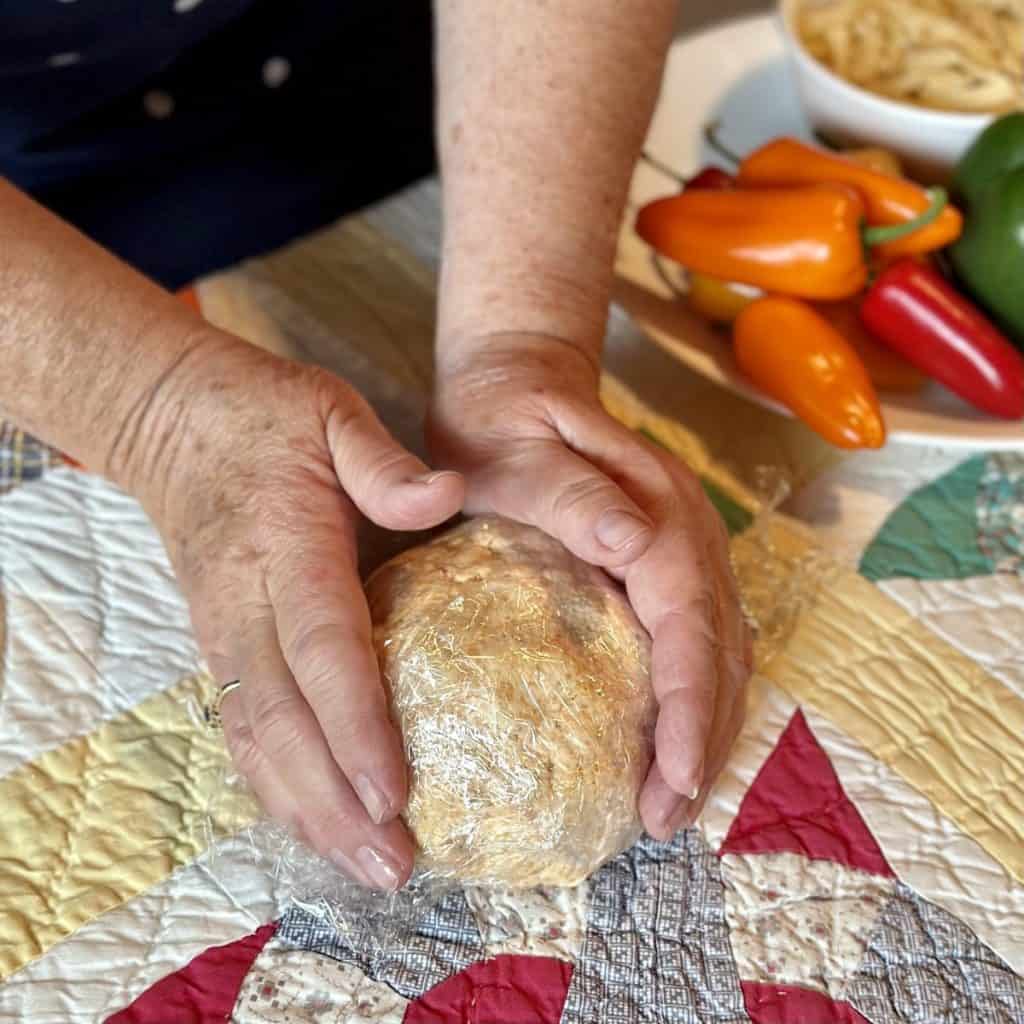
(737, 74)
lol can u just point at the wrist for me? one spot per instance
(170, 413)
(500, 360)
(510, 287)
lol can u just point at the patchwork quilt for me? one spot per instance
(861, 859)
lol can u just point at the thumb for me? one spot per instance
(561, 493)
(387, 483)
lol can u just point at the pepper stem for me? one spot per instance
(828, 142)
(712, 139)
(664, 168)
(883, 233)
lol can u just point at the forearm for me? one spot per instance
(543, 109)
(86, 343)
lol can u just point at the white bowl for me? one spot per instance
(930, 142)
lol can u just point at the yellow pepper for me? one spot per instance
(719, 301)
(875, 159)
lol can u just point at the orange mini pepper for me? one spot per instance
(888, 199)
(798, 358)
(802, 241)
(888, 370)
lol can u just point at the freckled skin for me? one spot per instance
(261, 533)
(542, 110)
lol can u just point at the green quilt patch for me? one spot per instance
(933, 535)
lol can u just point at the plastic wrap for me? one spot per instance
(519, 679)
(780, 568)
(368, 921)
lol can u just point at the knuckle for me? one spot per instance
(314, 654)
(379, 468)
(576, 496)
(351, 732)
(242, 747)
(689, 544)
(347, 413)
(666, 471)
(276, 724)
(324, 826)
(301, 569)
(697, 611)
(653, 463)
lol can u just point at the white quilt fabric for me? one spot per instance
(94, 620)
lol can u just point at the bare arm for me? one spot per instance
(255, 471)
(85, 341)
(543, 108)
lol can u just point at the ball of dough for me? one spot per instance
(519, 677)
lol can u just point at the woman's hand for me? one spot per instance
(519, 417)
(256, 471)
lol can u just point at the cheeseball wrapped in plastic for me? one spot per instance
(519, 677)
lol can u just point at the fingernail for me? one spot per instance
(697, 784)
(428, 478)
(616, 529)
(377, 868)
(377, 805)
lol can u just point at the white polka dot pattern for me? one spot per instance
(158, 104)
(275, 72)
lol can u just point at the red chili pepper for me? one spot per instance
(711, 178)
(914, 310)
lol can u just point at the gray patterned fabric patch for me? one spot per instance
(1000, 512)
(22, 457)
(442, 943)
(657, 946)
(923, 966)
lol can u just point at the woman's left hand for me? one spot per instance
(521, 419)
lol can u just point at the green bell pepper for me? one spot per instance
(995, 152)
(989, 256)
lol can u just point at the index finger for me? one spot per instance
(285, 757)
(326, 638)
(673, 594)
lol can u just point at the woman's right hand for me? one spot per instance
(255, 471)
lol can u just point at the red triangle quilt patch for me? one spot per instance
(202, 992)
(797, 804)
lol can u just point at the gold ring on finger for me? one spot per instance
(212, 711)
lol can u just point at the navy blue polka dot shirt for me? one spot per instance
(188, 134)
